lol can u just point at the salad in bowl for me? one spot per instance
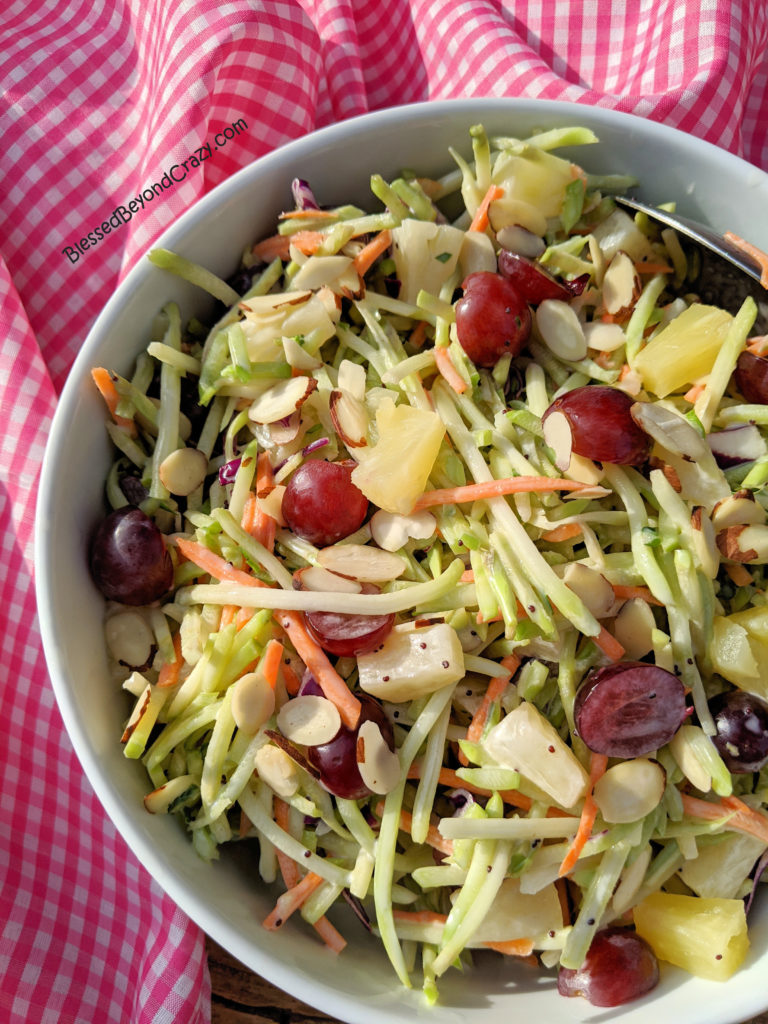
(435, 575)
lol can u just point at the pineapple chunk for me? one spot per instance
(412, 663)
(684, 350)
(738, 649)
(720, 868)
(425, 256)
(707, 937)
(526, 742)
(394, 471)
(517, 915)
(535, 177)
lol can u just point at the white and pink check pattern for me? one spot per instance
(99, 98)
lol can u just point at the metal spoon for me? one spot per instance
(699, 233)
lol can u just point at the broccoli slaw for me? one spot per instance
(513, 572)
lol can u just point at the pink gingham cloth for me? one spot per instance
(99, 99)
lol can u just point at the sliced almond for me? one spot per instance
(621, 285)
(320, 270)
(592, 587)
(604, 337)
(183, 471)
(315, 577)
(391, 531)
(745, 544)
(160, 799)
(253, 702)
(671, 431)
(559, 436)
(683, 746)
(584, 470)
(590, 493)
(362, 562)
(281, 399)
(704, 543)
(278, 770)
(129, 639)
(630, 790)
(350, 418)
(379, 766)
(298, 357)
(309, 720)
(561, 330)
(633, 628)
(286, 430)
(477, 254)
(631, 880)
(520, 240)
(270, 501)
(740, 509)
(352, 379)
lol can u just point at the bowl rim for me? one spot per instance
(325, 997)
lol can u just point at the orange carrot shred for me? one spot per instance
(626, 593)
(448, 777)
(291, 900)
(468, 576)
(480, 220)
(494, 692)
(169, 673)
(609, 645)
(103, 380)
(228, 614)
(418, 335)
(270, 662)
(760, 258)
(212, 564)
(434, 839)
(741, 817)
(643, 267)
(331, 936)
(307, 242)
(288, 867)
(265, 478)
(512, 947)
(292, 681)
(495, 489)
(740, 575)
(272, 248)
(419, 916)
(560, 533)
(370, 252)
(448, 371)
(308, 215)
(693, 393)
(598, 764)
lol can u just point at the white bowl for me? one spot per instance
(225, 898)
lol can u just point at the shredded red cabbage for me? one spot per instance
(303, 197)
(228, 472)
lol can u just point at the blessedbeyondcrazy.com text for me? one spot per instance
(177, 173)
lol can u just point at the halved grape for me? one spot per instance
(321, 504)
(629, 709)
(531, 278)
(492, 318)
(751, 377)
(350, 635)
(128, 558)
(619, 967)
(741, 720)
(596, 421)
(337, 760)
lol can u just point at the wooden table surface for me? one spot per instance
(242, 997)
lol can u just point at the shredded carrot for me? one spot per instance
(288, 867)
(291, 900)
(468, 576)
(740, 817)
(448, 777)
(169, 673)
(308, 215)
(261, 526)
(418, 335)
(265, 478)
(604, 359)
(495, 489)
(308, 242)
(243, 617)
(272, 248)
(643, 267)
(494, 692)
(480, 220)
(314, 657)
(758, 345)
(609, 645)
(212, 564)
(740, 575)
(331, 936)
(434, 839)
(292, 681)
(249, 511)
(103, 380)
(598, 764)
(560, 533)
(512, 947)
(419, 916)
(626, 593)
(228, 614)
(371, 252)
(760, 258)
(693, 393)
(625, 371)
(270, 662)
(448, 371)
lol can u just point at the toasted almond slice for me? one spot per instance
(745, 544)
(129, 638)
(298, 357)
(740, 509)
(362, 562)
(278, 770)
(320, 270)
(561, 330)
(604, 337)
(270, 501)
(587, 492)
(349, 417)
(584, 470)
(477, 254)
(281, 399)
(559, 436)
(592, 587)
(621, 284)
(671, 431)
(183, 471)
(633, 627)
(160, 799)
(520, 240)
(352, 379)
(630, 790)
(309, 720)
(286, 430)
(682, 746)
(391, 530)
(379, 766)
(315, 577)
(704, 543)
(253, 702)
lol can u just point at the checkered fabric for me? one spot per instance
(100, 99)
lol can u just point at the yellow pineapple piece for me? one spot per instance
(738, 649)
(394, 471)
(684, 350)
(535, 177)
(707, 937)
